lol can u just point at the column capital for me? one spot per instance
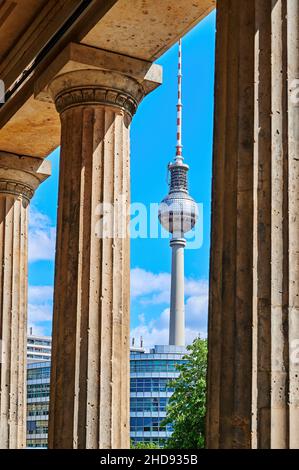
(96, 87)
(82, 75)
(21, 175)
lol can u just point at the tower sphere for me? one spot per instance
(178, 212)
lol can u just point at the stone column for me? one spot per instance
(19, 177)
(89, 405)
(293, 214)
(253, 370)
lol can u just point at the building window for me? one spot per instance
(150, 385)
(37, 442)
(38, 373)
(38, 409)
(38, 390)
(148, 424)
(152, 404)
(37, 427)
(154, 365)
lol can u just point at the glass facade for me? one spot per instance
(38, 348)
(39, 373)
(37, 409)
(38, 390)
(152, 404)
(149, 394)
(150, 384)
(150, 391)
(148, 424)
(38, 393)
(37, 443)
(153, 365)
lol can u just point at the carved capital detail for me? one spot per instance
(21, 175)
(16, 188)
(97, 96)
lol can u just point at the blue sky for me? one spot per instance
(153, 135)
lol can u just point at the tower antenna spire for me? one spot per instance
(179, 147)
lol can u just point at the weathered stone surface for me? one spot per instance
(19, 177)
(254, 284)
(26, 27)
(293, 215)
(141, 29)
(89, 406)
(147, 27)
(23, 132)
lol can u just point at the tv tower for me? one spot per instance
(178, 214)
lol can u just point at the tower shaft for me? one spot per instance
(177, 301)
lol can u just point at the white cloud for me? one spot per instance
(40, 312)
(37, 330)
(164, 319)
(157, 298)
(42, 236)
(153, 335)
(38, 219)
(196, 309)
(40, 307)
(154, 289)
(145, 282)
(149, 287)
(150, 336)
(141, 318)
(195, 286)
(40, 293)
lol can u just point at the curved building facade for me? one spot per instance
(38, 397)
(150, 390)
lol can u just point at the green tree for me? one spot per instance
(187, 406)
(144, 445)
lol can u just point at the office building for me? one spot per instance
(149, 394)
(38, 348)
(150, 390)
(38, 396)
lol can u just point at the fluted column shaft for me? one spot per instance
(293, 219)
(253, 375)
(19, 177)
(89, 405)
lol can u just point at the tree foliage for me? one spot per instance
(187, 406)
(144, 445)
